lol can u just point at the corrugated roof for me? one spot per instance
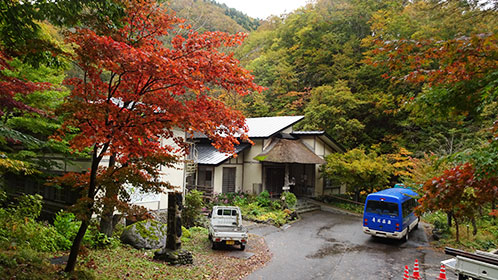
(289, 151)
(311, 132)
(266, 126)
(207, 154)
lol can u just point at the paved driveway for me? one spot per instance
(325, 245)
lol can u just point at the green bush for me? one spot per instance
(29, 206)
(98, 240)
(254, 209)
(193, 206)
(18, 227)
(186, 235)
(263, 199)
(66, 224)
(276, 205)
(289, 198)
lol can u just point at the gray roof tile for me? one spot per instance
(207, 154)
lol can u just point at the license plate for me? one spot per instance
(230, 242)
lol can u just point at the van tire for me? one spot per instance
(242, 247)
(406, 237)
(418, 222)
(214, 245)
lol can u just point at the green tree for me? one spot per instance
(334, 109)
(358, 170)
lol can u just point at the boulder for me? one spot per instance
(146, 234)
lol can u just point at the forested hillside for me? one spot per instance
(410, 88)
(208, 15)
(320, 62)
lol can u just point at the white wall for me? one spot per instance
(253, 169)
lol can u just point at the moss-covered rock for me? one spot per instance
(147, 234)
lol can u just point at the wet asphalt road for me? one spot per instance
(325, 245)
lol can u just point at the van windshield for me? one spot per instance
(382, 208)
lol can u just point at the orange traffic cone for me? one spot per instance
(442, 273)
(406, 275)
(416, 273)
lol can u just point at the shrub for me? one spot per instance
(29, 206)
(240, 200)
(276, 205)
(254, 209)
(289, 198)
(98, 240)
(186, 235)
(65, 223)
(18, 227)
(193, 207)
(263, 199)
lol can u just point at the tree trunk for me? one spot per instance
(457, 230)
(92, 184)
(474, 226)
(71, 262)
(357, 195)
(449, 215)
(106, 218)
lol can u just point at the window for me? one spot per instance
(227, 212)
(205, 176)
(382, 208)
(408, 206)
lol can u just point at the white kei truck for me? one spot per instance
(225, 227)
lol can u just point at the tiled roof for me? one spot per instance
(266, 126)
(207, 154)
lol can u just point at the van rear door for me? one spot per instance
(382, 215)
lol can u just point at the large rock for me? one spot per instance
(147, 234)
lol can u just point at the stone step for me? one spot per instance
(305, 205)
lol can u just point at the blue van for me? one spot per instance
(389, 213)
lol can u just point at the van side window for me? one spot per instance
(220, 212)
(234, 212)
(408, 206)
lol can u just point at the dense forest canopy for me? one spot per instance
(325, 51)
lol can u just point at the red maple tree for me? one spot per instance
(11, 86)
(459, 192)
(138, 84)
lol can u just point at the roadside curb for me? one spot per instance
(327, 208)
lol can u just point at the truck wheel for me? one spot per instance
(242, 247)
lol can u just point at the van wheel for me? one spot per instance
(405, 238)
(242, 247)
(214, 245)
(418, 222)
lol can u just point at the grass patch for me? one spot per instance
(126, 262)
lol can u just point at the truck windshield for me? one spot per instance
(382, 208)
